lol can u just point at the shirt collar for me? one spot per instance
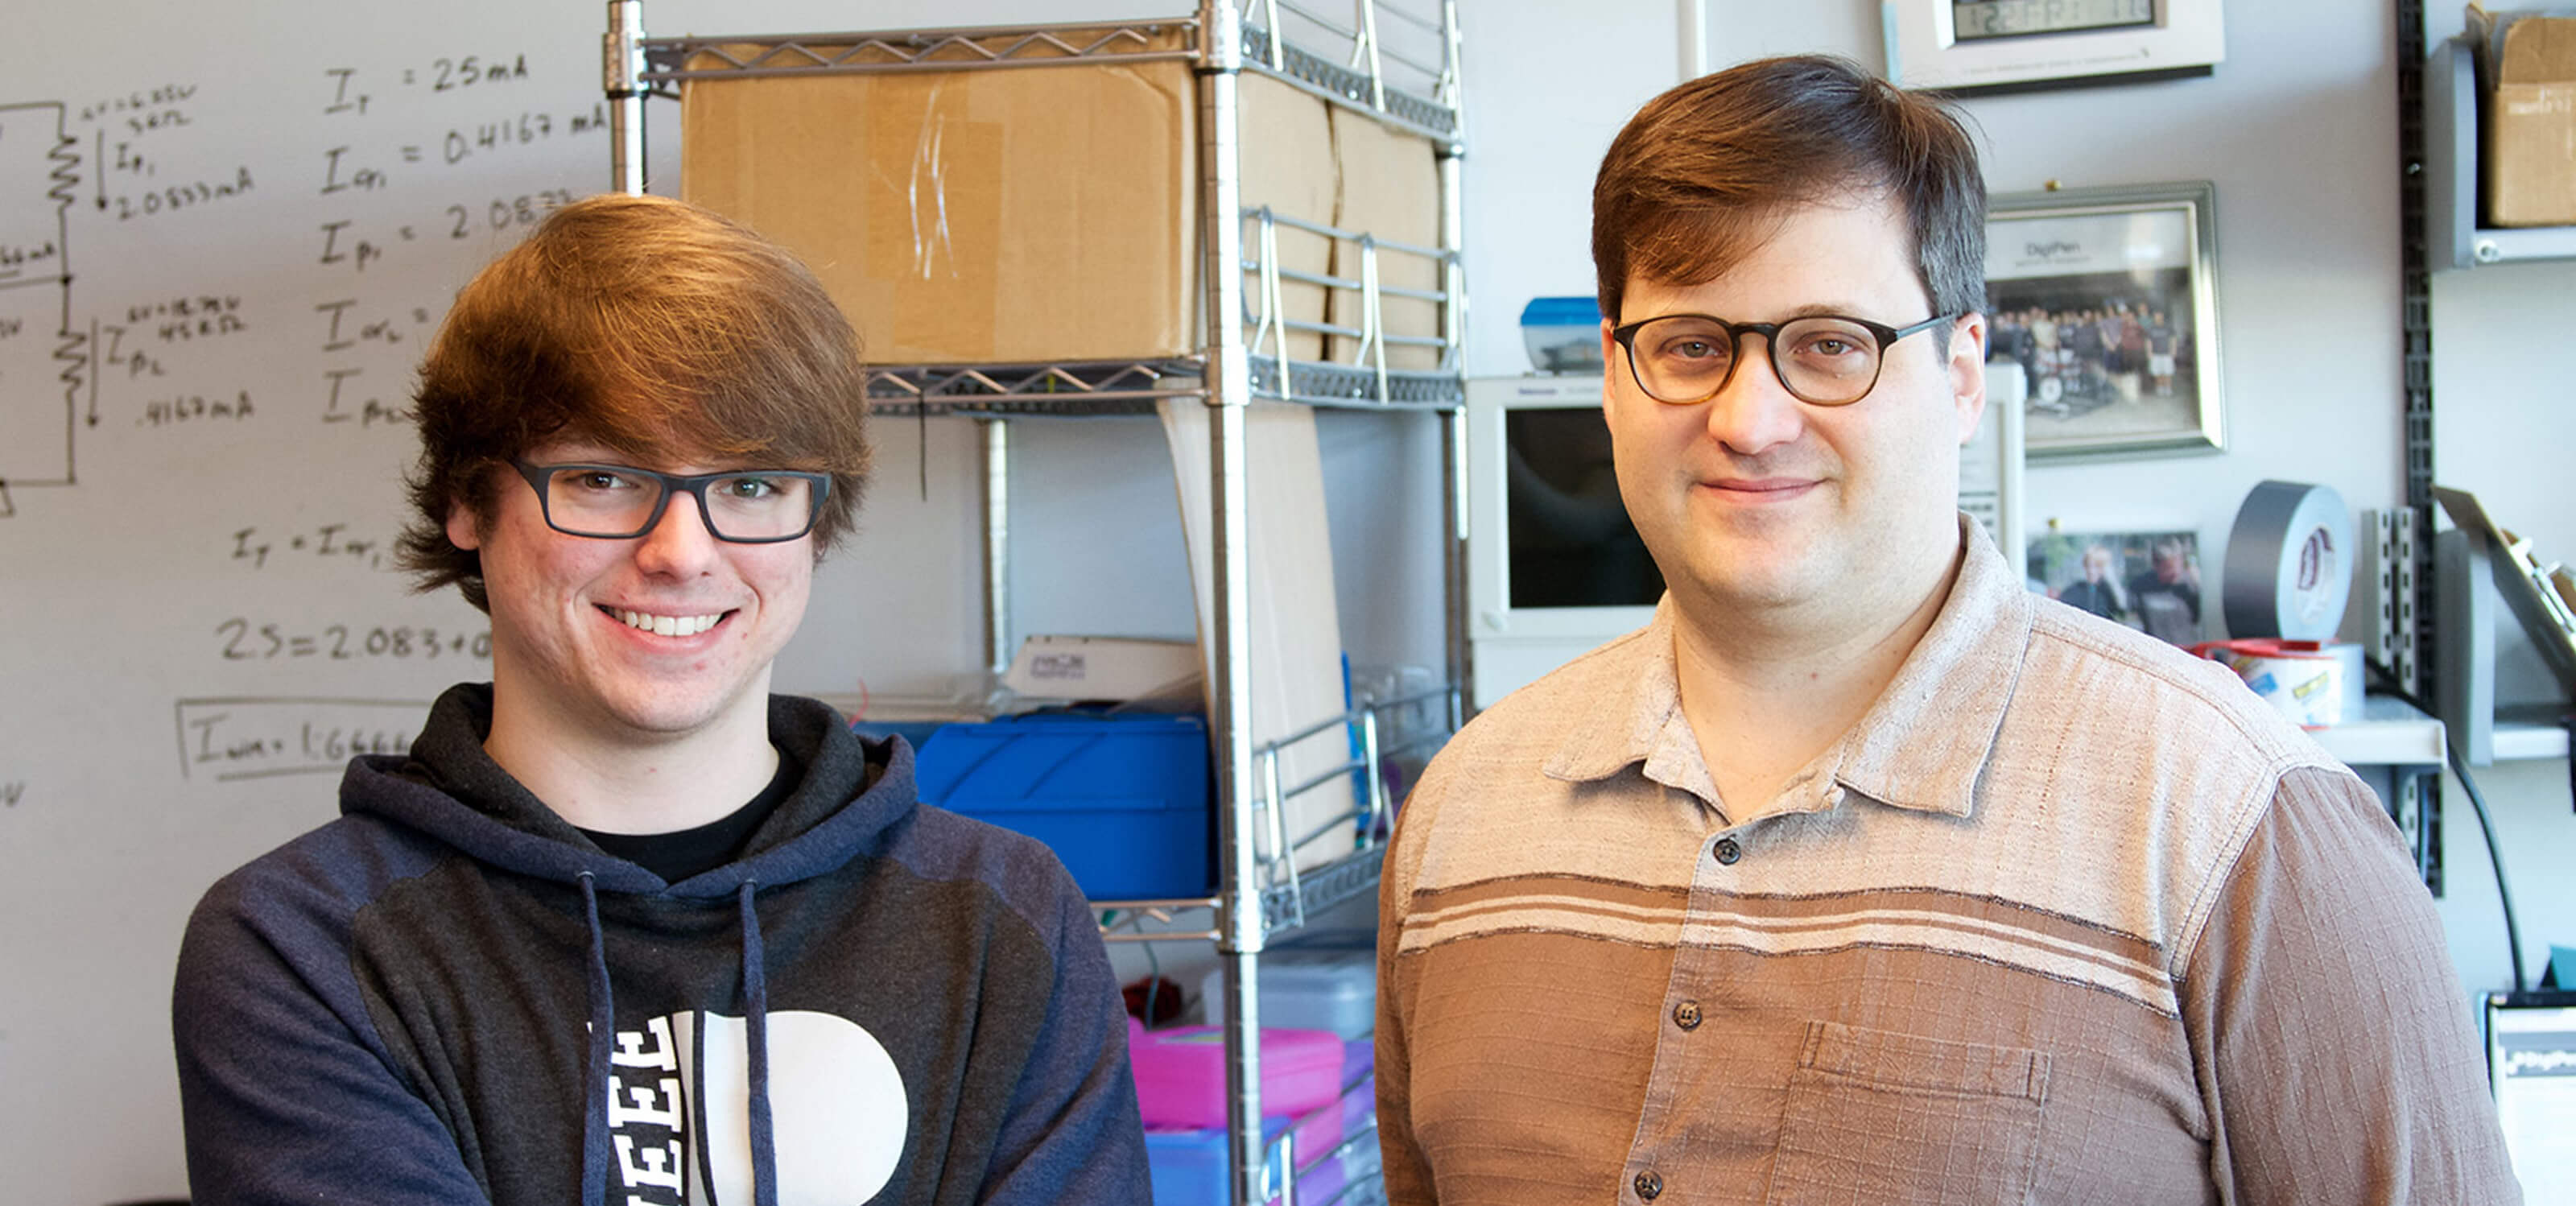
(1627, 727)
(1921, 746)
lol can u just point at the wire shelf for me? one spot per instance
(1172, 920)
(1313, 73)
(1345, 386)
(1289, 905)
(1289, 896)
(1078, 387)
(668, 62)
(1408, 82)
(1356, 369)
(1123, 387)
(674, 60)
(1284, 906)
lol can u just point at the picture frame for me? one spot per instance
(2107, 299)
(2149, 581)
(1999, 46)
(1991, 481)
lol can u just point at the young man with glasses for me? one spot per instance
(1862, 875)
(624, 927)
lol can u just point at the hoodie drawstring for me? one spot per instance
(595, 1147)
(603, 1029)
(755, 991)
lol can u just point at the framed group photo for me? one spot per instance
(2106, 298)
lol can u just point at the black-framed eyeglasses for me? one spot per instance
(620, 502)
(1821, 359)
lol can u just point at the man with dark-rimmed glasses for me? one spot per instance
(1861, 875)
(624, 927)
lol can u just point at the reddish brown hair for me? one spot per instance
(656, 328)
(1703, 174)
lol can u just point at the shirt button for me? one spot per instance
(1649, 1185)
(1686, 1015)
(1728, 851)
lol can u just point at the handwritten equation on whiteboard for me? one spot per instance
(224, 740)
(496, 119)
(394, 179)
(329, 542)
(242, 640)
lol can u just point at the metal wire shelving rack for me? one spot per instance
(1355, 66)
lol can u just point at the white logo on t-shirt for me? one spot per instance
(836, 1105)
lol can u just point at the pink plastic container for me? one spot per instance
(1180, 1073)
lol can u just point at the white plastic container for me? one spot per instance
(1309, 988)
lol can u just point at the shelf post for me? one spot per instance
(1453, 329)
(994, 435)
(622, 71)
(1229, 392)
(2465, 689)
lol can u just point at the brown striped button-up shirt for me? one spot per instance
(2069, 916)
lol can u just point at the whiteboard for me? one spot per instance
(226, 232)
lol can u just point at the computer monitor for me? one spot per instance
(2531, 1062)
(1554, 568)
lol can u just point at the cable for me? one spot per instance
(2477, 800)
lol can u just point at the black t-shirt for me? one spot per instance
(678, 855)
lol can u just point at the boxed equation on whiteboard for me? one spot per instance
(257, 737)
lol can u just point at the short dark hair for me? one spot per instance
(654, 327)
(1703, 173)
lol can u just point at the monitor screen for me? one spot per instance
(2531, 1057)
(1983, 20)
(1571, 542)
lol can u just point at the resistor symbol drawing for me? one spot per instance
(45, 365)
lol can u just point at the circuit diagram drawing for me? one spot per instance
(44, 363)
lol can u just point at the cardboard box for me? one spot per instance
(1023, 214)
(2530, 136)
(1287, 165)
(1119, 668)
(1390, 187)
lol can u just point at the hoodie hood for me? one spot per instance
(449, 789)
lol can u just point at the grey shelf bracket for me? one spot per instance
(2451, 147)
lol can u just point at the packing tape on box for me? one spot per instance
(2307, 681)
(2289, 563)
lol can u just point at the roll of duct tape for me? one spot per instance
(2289, 563)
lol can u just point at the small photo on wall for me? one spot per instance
(2149, 581)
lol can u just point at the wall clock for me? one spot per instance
(1987, 46)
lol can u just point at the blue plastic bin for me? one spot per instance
(1192, 1168)
(1122, 799)
(1563, 334)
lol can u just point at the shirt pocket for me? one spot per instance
(1874, 1116)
